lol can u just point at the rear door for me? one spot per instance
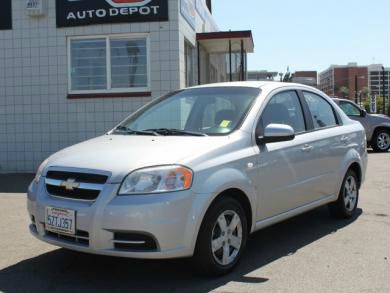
(329, 144)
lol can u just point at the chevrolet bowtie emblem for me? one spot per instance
(70, 184)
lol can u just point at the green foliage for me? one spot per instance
(379, 105)
(365, 91)
(366, 105)
(287, 77)
(344, 91)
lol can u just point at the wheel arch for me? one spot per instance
(242, 198)
(353, 160)
(377, 128)
(237, 193)
(358, 170)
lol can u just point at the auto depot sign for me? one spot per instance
(86, 12)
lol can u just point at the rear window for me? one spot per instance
(320, 110)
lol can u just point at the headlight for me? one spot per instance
(157, 180)
(40, 170)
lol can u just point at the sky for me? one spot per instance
(310, 34)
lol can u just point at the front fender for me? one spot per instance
(225, 179)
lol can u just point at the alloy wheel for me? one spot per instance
(226, 238)
(350, 193)
(383, 141)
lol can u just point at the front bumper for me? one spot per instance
(172, 220)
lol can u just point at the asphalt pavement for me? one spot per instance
(310, 253)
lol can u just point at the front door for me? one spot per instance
(354, 112)
(282, 175)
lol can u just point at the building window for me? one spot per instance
(106, 64)
(189, 53)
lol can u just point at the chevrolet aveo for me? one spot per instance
(194, 172)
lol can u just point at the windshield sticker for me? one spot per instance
(225, 123)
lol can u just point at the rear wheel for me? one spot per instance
(346, 204)
(222, 237)
(381, 140)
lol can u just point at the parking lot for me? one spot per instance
(310, 253)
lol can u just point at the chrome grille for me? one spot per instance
(78, 186)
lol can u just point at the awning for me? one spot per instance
(219, 42)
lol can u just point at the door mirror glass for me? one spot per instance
(277, 133)
(363, 113)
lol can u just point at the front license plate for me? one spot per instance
(60, 220)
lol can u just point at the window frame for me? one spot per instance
(259, 130)
(188, 44)
(109, 89)
(353, 105)
(309, 114)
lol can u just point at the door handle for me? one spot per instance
(344, 139)
(306, 148)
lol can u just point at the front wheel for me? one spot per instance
(381, 140)
(346, 204)
(222, 237)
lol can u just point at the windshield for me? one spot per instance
(202, 111)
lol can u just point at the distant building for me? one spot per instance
(338, 77)
(306, 77)
(262, 75)
(375, 80)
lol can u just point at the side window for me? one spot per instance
(284, 108)
(349, 108)
(320, 110)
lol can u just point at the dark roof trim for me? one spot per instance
(224, 35)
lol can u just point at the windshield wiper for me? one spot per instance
(174, 131)
(126, 130)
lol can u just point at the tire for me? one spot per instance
(346, 204)
(228, 244)
(381, 140)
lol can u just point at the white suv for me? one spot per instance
(196, 171)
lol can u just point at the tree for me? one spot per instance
(365, 92)
(286, 77)
(344, 91)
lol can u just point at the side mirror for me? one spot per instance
(363, 113)
(277, 133)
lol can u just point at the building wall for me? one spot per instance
(375, 80)
(262, 75)
(306, 77)
(187, 32)
(346, 77)
(36, 117)
(336, 77)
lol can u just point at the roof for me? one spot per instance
(218, 42)
(255, 84)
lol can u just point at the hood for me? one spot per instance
(121, 154)
(380, 115)
(378, 118)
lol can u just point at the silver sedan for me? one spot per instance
(194, 172)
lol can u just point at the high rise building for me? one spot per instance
(344, 81)
(375, 80)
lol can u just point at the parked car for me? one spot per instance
(377, 126)
(196, 171)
